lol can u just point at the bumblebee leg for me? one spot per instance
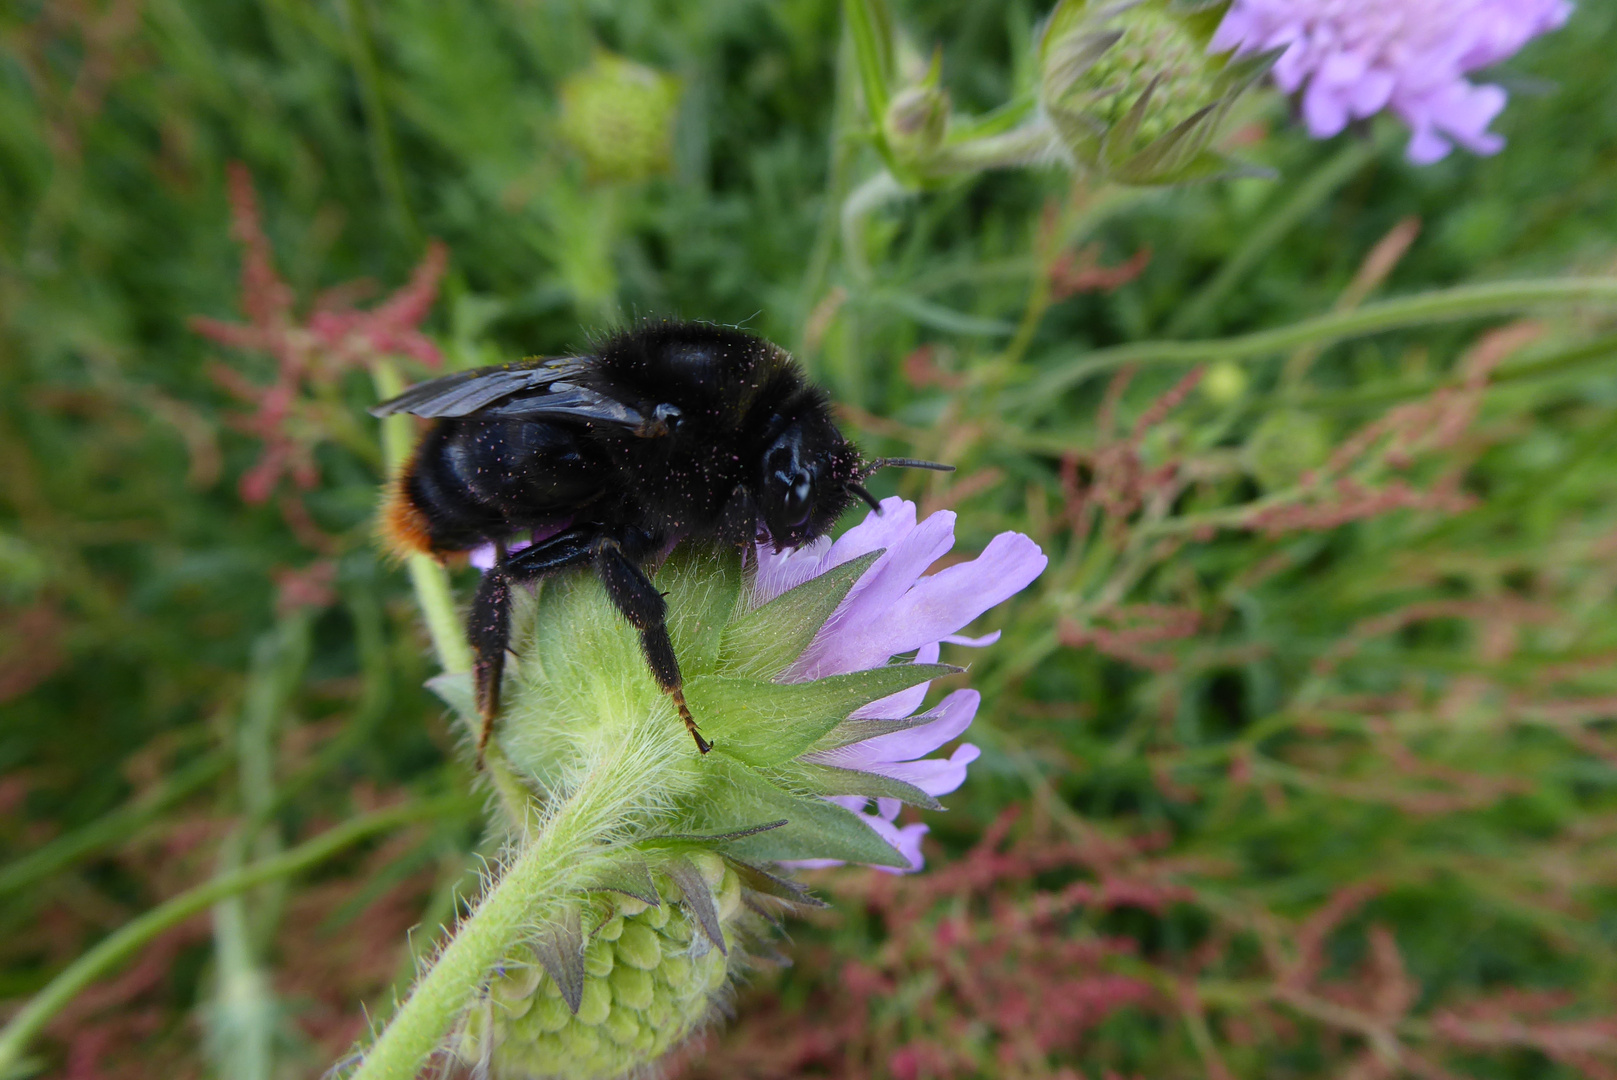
(644, 607)
(488, 625)
(488, 629)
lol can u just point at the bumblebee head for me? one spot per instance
(807, 471)
(811, 474)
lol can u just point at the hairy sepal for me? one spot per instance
(767, 723)
(763, 643)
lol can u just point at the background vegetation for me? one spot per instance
(1299, 761)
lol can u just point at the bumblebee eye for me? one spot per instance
(799, 501)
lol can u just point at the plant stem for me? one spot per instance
(1469, 301)
(384, 155)
(865, 200)
(124, 942)
(1313, 190)
(66, 850)
(564, 854)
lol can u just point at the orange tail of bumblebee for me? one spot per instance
(403, 526)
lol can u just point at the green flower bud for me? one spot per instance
(1131, 91)
(642, 991)
(1224, 383)
(1286, 444)
(917, 120)
(619, 117)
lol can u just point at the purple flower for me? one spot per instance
(1353, 58)
(892, 610)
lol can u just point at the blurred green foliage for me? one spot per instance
(1402, 688)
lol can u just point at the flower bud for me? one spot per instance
(1286, 444)
(917, 120)
(1131, 90)
(650, 974)
(619, 117)
(1225, 383)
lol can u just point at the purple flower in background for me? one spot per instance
(1353, 58)
(892, 610)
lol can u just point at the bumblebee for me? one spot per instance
(667, 432)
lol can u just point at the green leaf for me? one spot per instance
(455, 690)
(760, 880)
(698, 898)
(1066, 17)
(871, 27)
(763, 643)
(701, 586)
(830, 780)
(737, 796)
(765, 723)
(852, 731)
(703, 841)
(628, 874)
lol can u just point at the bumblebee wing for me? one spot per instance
(531, 390)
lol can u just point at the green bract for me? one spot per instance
(1132, 92)
(633, 958)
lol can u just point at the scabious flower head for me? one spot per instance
(807, 669)
(619, 116)
(1133, 91)
(1352, 58)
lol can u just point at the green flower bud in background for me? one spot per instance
(1224, 383)
(917, 118)
(1132, 92)
(619, 116)
(1286, 444)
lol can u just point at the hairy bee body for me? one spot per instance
(704, 405)
(671, 431)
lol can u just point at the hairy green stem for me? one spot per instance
(1469, 301)
(865, 200)
(123, 943)
(566, 852)
(1031, 144)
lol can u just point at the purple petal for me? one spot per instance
(1325, 109)
(1426, 146)
(1353, 58)
(1372, 94)
(879, 624)
(780, 571)
(879, 530)
(972, 642)
(935, 776)
(899, 705)
(906, 840)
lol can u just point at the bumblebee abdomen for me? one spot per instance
(472, 481)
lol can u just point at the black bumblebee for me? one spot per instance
(669, 431)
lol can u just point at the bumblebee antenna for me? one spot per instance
(870, 500)
(905, 463)
(891, 463)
